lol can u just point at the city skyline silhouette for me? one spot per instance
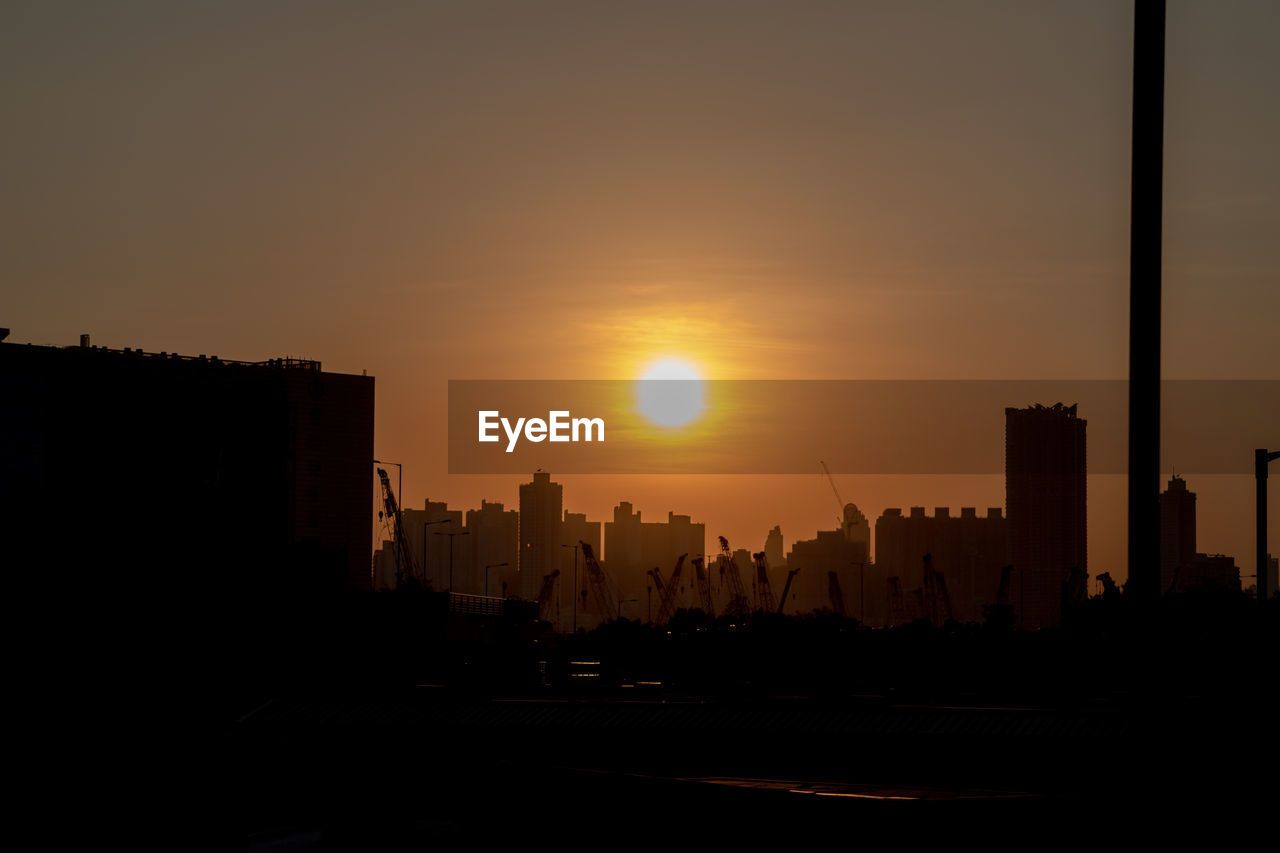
(306, 247)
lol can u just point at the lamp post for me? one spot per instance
(575, 584)
(451, 534)
(425, 564)
(486, 574)
(1261, 459)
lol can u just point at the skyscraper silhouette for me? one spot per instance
(541, 503)
(1045, 489)
(1177, 531)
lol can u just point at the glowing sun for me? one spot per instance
(669, 392)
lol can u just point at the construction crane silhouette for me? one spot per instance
(703, 580)
(544, 597)
(668, 601)
(897, 606)
(739, 605)
(406, 567)
(599, 584)
(835, 594)
(836, 492)
(934, 598)
(767, 602)
(786, 589)
(1002, 594)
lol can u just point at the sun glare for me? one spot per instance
(669, 392)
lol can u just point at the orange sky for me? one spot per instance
(567, 190)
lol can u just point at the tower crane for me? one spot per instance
(836, 492)
(667, 607)
(544, 596)
(897, 606)
(934, 597)
(1002, 594)
(835, 594)
(767, 602)
(599, 584)
(786, 589)
(739, 605)
(703, 580)
(406, 567)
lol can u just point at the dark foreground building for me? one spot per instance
(1045, 491)
(155, 471)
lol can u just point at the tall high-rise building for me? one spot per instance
(1177, 531)
(541, 503)
(775, 548)
(494, 539)
(633, 547)
(574, 529)
(1045, 492)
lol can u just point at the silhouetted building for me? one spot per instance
(1206, 572)
(775, 548)
(633, 547)
(857, 530)
(272, 458)
(1182, 568)
(1045, 493)
(845, 551)
(541, 503)
(421, 527)
(574, 529)
(1177, 531)
(494, 538)
(969, 551)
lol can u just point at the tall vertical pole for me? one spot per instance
(1144, 298)
(1260, 460)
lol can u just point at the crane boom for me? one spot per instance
(667, 606)
(834, 491)
(786, 589)
(544, 595)
(835, 594)
(739, 605)
(767, 602)
(703, 579)
(406, 566)
(599, 584)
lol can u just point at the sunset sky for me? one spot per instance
(549, 190)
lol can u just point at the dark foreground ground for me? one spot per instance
(410, 769)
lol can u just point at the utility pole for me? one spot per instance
(1147, 166)
(451, 534)
(1261, 458)
(486, 575)
(425, 564)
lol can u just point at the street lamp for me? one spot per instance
(425, 563)
(575, 584)
(451, 534)
(486, 574)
